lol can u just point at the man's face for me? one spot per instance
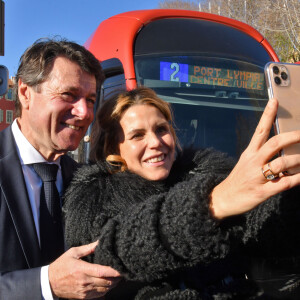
(56, 115)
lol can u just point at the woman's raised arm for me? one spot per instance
(247, 185)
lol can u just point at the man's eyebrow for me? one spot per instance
(93, 95)
(77, 90)
(71, 88)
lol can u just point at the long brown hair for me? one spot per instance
(106, 129)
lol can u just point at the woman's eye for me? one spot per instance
(137, 136)
(162, 129)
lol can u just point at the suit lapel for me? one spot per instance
(15, 194)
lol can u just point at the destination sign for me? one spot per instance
(206, 75)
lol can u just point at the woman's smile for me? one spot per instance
(155, 159)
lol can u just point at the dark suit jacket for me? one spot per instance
(20, 257)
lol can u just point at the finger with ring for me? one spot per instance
(268, 173)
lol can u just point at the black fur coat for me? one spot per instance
(160, 235)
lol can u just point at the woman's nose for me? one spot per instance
(154, 140)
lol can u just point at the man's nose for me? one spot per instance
(81, 109)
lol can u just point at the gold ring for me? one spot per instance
(268, 173)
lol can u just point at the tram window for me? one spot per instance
(114, 78)
(225, 129)
(211, 73)
(216, 102)
(194, 36)
(113, 85)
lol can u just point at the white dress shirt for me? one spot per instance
(29, 155)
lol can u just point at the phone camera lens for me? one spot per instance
(284, 76)
(277, 80)
(275, 70)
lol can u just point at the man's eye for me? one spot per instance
(91, 101)
(68, 95)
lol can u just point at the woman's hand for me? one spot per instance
(246, 186)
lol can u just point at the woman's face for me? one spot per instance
(147, 144)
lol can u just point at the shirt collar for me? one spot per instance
(28, 155)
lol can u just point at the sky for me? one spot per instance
(28, 20)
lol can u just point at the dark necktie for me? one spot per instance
(51, 231)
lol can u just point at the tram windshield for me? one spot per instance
(217, 102)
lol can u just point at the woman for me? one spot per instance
(172, 223)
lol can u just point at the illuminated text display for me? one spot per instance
(205, 75)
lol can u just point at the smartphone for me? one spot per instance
(283, 83)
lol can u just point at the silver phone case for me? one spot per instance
(288, 95)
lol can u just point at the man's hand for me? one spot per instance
(70, 277)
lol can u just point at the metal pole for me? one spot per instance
(2, 24)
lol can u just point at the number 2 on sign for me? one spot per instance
(176, 67)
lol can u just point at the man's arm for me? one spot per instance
(19, 284)
(69, 276)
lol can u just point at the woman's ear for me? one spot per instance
(23, 94)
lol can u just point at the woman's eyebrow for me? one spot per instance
(135, 130)
(163, 123)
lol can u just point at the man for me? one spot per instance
(57, 83)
